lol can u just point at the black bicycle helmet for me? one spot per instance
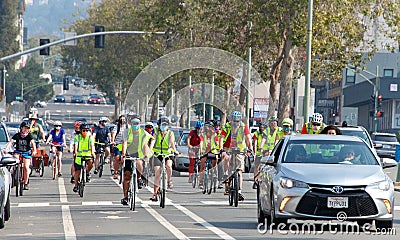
(83, 126)
(217, 123)
(163, 119)
(24, 124)
(209, 123)
(262, 124)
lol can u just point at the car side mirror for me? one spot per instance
(388, 163)
(7, 161)
(268, 160)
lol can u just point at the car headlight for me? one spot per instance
(291, 183)
(382, 185)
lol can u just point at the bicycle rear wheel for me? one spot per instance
(211, 182)
(195, 175)
(162, 189)
(41, 167)
(132, 191)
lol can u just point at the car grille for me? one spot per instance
(314, 202)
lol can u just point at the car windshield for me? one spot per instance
(329, 152)
(13, 124)
(183, 140)
(360, 134)
(385, 138)
(3, 135)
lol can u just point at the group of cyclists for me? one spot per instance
(152, 143)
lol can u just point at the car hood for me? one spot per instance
(183, 150)
(333, 174)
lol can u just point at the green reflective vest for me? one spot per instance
(162, 145)
(240, 140)
(213, 145)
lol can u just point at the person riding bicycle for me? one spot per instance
(315, 126)
(76, 131)
(287, 125)
(238, 135)
(117, 138)
(102, 136)
(208, 145)
(24, 142)
(57, 137)
(218, 130)
(149, 127)
(258, 137)
(36, 129)
(135, 143)
(164, 143)
(83, 147)
(193, 142)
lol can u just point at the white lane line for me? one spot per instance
(104, 203)
(171, 228)
(225, 202)
(69, 230)
(33, 204)
(198, 219)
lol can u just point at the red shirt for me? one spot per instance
(227, 144)
(194, 139)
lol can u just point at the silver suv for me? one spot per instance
(388, 142)
(358, 131)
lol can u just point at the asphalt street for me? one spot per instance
(51, 210)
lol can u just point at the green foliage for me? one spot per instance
(35, 88)
(8, 30)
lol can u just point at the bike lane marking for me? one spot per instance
(171, 228)
(69, 230)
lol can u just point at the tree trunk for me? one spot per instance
(274, 77)
(286, 75)
(154, 108)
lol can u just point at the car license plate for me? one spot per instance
(338, 202)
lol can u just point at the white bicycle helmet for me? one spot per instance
(105, 119)
(236, 116)
(57, 123)
(317, 117)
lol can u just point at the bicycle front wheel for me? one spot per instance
(54, 165)
(132, 190)
(101, 165)
(236, 190)
(41, 167)
(17, 180)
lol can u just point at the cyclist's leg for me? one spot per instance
(89, 165)
(117, 161)
(139, 168)
(96, 160)
(27, 163)
(256, 167)
(240, 166)
(73, 170)
(157, 173)
(106, 152)
(202, 169)
(77, 173)
(127, 177)
(168, 166)
(59, 158)
(191, 167)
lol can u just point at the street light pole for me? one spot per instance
(248, 79)
(306, 103)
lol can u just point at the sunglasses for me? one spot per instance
(85, 130)
(316, 124)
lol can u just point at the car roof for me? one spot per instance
(325, 137)
(384, 134)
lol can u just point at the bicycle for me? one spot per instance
(101, 158)
(195, 176)
(38, 162)
(163, 179)
(234, 178)
(19, 181)
(133, 188)
(210, 177)
(54, 161)
(83, 180)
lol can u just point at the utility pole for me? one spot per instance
(249, 24)
(306, 103)
(190, 82)
(376, 93)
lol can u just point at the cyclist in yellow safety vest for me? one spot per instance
(135, 144)
(237, 135)
(83, 147)
(208, 146)
(164, 145)
(287, 125)
(315, 126)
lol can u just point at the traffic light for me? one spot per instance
(99, 39)
(379, 114)
(44, 51)
(65, 84)
(191, 93)
(379, 100)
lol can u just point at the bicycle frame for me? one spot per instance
(163, 179)
(132, 191)
(55, 159)
(82, 180)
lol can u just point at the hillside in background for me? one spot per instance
(47, 19)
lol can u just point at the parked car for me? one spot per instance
(357, 131)
(181, 162)
(59, 98)
(94, 98)
(5, 187)
(40, 104)
(77, 99)
(388, 142)
(337, 175)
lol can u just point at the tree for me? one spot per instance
(8, 30)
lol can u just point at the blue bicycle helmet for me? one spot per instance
(199, 124)
(236, 116)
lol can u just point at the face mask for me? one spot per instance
(163, 128)
(57, 128)
(135, 127)
(286, 129)
(24, 134)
